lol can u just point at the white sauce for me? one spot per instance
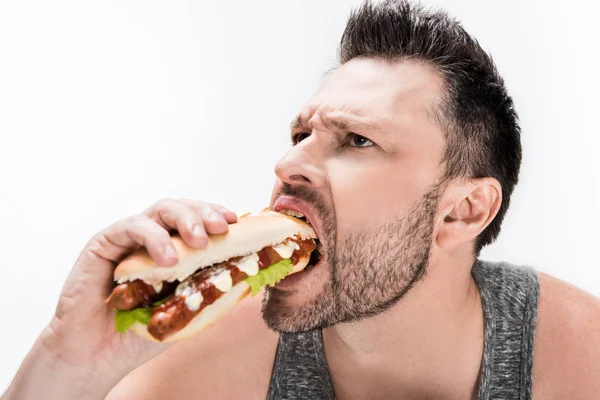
(183, 289)
(193, 301)
(158, 287)
(285, 250)
(248, 264)
(222, 281)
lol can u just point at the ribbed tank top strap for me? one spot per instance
(300, 369)
(510, 299)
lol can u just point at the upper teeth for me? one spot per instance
(292, 213)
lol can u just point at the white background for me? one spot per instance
(108, 106)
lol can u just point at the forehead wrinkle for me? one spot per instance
(303, 118)
(340, 119)
(350, 121)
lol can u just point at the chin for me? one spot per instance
(301, 303)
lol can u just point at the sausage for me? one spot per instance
(174, 314)
(134, 294)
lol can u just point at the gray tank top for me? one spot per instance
(509, 297)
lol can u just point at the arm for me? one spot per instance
(43, 375)
(567, 343)
(80, 353)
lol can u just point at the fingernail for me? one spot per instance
(170, 251)
(197, 230)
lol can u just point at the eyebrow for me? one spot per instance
(344, 122)
(296, 123)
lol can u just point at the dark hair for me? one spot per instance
(476, 114)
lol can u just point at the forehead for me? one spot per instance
(377, 90)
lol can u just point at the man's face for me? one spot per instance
(364, 169)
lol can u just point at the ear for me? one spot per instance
(468, 209)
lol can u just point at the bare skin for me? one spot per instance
(437, 327)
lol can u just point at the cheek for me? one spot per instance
(366, 194)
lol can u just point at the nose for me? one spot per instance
(301, 165)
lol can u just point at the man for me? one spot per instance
(406, 158)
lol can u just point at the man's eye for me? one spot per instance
(299, 137)
(360, 141)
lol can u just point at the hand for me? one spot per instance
(81, 337)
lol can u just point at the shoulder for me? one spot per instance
(567, 350)
(231, 359)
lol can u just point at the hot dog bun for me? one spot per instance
(246, 236)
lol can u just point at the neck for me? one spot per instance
(429, 344)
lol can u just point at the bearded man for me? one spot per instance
(404, 161)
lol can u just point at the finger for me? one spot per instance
(229, 215)
(101, 246)
(141, 230)
(214, 221)
(172, 214)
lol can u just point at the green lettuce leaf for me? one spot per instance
(269, 276)
(125, 319)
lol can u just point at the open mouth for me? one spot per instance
(316, 254)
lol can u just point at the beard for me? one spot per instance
(370, 270)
